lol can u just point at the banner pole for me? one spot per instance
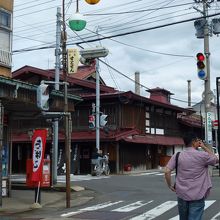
(38, 192)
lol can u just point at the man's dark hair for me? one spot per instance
(189, 137)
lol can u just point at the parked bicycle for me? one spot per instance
(100, 166)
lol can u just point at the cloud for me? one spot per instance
(35, 25)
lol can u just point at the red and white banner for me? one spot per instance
(38, 146)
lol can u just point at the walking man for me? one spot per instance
(193, 182)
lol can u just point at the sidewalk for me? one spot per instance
(22, 200)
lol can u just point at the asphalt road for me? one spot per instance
(141, 196)
(137, 197)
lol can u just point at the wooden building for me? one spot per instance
(141, 132)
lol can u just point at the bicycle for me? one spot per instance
(100, 166)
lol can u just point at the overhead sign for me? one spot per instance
(73, 60)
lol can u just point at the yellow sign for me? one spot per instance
(73, 60)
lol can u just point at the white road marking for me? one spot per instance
(207, 204)
(216, 217)
(62, 179)
(71, 213)
(144, 174)
(155, 212)
(91, 208)
(151, 214)
(131, 207)
(100, 206)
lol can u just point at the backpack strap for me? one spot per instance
(177, 157)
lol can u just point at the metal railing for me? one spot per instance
(5, 58)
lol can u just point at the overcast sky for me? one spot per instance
(164, 56)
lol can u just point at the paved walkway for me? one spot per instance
(23, 200)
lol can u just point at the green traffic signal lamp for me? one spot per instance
(77, 22)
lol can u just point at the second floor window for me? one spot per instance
(5, 19)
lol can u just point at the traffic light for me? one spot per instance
(103, 120)
(43, 97)
(91, 121)
(201, 66)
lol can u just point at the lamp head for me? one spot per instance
(77, 22)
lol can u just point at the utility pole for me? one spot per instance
(137, 82)
(97, 105)
(57, 80)
(208, 93)
(189, 93)
(67, 119)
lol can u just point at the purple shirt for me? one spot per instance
(193, 181)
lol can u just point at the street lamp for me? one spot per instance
(92, 2)
(78, 25)
(77, 22)
(88, 56)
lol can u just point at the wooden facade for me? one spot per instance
(141, 132)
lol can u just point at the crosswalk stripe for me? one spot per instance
(131, 207)
(71, 213)
(91, 208)
(144, 174)
(216, 217)
(207, 204)
(155, 212)
(100, 206)
(148, 215)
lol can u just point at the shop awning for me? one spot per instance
(154, 139)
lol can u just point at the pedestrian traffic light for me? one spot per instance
(91, 121)
(103, 120)
(201, 66)
(43, 97)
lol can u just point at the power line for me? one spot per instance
(34, 5)
(137, 82)
(116, 35)
(88, 36)
(136, 11)
(148, 29)
(151, 51)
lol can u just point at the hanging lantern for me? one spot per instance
(77, 22)
(92, 2)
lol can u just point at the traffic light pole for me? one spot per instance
(207, 99)
(97, 106)
(57, 80)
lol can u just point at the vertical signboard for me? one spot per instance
(209, 127)
(73, 60)
(38, 145)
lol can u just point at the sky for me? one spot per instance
(163, 52)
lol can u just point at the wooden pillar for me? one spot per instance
(117, 158)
